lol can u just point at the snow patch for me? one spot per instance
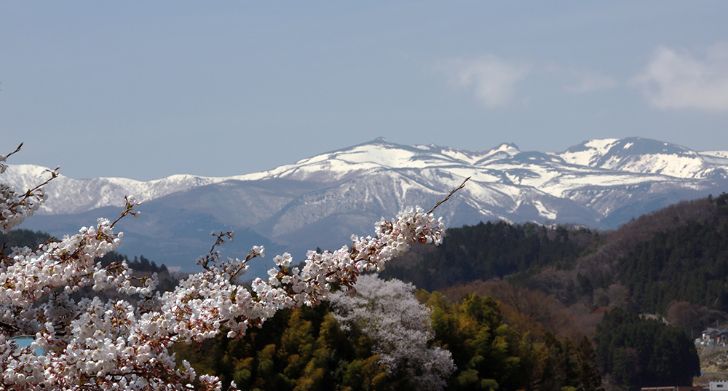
(589, 152)
(543, 210)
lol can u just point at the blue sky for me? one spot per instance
(145, 89)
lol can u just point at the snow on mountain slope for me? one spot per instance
(69, 195)
(443, 168)
(646, 156)
(372, 156)
(503, 170)
(589, 152)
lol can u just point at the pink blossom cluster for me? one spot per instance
(89, 343)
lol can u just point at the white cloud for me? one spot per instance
(676, 79)
(590, 82)
(491, 79)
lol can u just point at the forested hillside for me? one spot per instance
(308, 349)
(677, 254)
(672, 263)
(637, 352)
(492, 250)
(688, 261)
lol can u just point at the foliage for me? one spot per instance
(687, 262)
(299, 349)
(532, 311)
(492, 249)
(490, 354)
(637, 352)
(488, 351)
(376, 337)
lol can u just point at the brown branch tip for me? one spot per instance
(447, 197)
(129, 206)
(15, 151)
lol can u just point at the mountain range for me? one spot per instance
(320, 201)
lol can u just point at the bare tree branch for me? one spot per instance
(444, 200)
(129, 206)
(15, 151)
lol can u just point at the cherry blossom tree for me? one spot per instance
(90, 343)
(388, 312)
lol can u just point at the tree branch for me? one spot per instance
(129, 206)
(452, 192)
(15, 151)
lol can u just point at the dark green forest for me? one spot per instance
(637, 352)
(491, 250)
(686, 262)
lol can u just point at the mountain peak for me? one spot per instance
(643, 155)
(642, 146)
(509, 148)
(509, 145)
(628, 145)
(381, 140)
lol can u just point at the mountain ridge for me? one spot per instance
(319, 201)
(590, 154)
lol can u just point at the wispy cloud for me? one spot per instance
(491, 79)
(586, 82)
(676, 79)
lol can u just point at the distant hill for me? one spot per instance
(321, 200)
(677, 254)
(492, 250)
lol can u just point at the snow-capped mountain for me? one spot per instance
(70, 195)
(648, 156)
(321, 200)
